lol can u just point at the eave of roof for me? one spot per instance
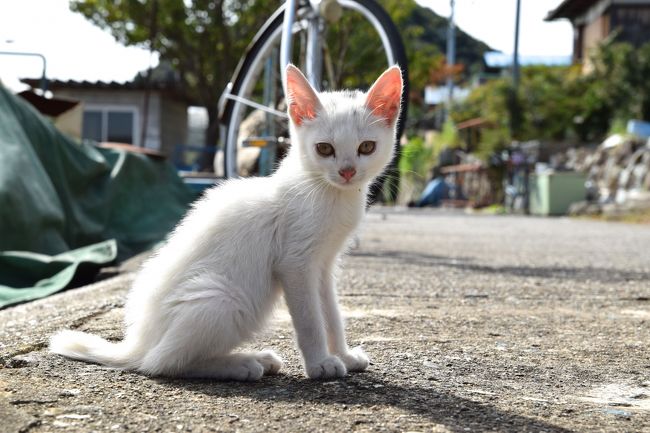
(569, 9)
(48, 106)
(73, 84)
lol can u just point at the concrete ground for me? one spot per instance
(473, 323)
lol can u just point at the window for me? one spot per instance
(92, 125)
(120, 127)
(117, 124)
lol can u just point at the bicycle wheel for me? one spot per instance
(253, 103)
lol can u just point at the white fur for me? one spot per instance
(216, 280)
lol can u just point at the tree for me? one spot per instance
(620, 77)
(560, 103)
(202, 39)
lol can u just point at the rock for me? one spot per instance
(584, 208)
(625, 178)
(613, 141)
(611, 177)
(617, 167)
(638, 200)
(639, 173)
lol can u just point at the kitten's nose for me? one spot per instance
(347, 173)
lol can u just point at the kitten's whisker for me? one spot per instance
(376, 121)
(313, 193)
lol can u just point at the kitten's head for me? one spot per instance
(345, 138)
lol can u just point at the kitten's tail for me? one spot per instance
(91, 348)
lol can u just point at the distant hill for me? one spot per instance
(425, 33)
(469, 50)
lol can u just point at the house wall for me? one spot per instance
(129, 99)
(173, 116)
(153, 128)
(594, 33)
(629, 18)
(70, 121)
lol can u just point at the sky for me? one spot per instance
(73, 47)
(493, 22)
(76, 49)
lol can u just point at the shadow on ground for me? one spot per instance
(604, 275)
(367, 390)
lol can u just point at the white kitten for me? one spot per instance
(215, 281)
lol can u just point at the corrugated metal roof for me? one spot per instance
(495, 59)
(436, 95)
(173, 89)
(73, 84)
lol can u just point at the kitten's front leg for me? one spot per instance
(354, 359)
(301, 295)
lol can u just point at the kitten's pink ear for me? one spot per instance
(385, 95)
(302, 99)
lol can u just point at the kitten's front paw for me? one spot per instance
(355, 360)
(328, 368)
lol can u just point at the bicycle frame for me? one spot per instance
(308, 19)
(314, 59)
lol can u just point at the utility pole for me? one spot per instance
(451, 55)
(515, 55)
(515, 110)
(515, 115)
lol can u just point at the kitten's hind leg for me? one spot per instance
(236, 366)
(270, 360)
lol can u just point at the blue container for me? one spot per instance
(639, 128)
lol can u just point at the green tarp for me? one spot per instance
(58, 195)
(27, 276)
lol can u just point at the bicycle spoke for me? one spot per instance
(257, 106)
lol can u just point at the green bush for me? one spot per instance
(562, 103)
(416, 160)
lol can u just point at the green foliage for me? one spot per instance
(425, 39)
(489, 102)
(357, 55)
(618, 126)
(422, 28)
(416, 160)
(620, 76)
(447, 139)
(355, 52)
(418, 156)
(559, 103)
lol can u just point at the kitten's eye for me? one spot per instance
(366, 148)
(324, 149)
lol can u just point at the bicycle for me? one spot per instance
(298, 33)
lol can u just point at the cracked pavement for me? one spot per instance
(473, 323)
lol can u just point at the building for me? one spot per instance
(595, 20)
(65, 114)
(497, 64)
(153, 116)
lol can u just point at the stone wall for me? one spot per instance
(618, 173)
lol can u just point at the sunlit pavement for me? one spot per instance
(472, 322)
